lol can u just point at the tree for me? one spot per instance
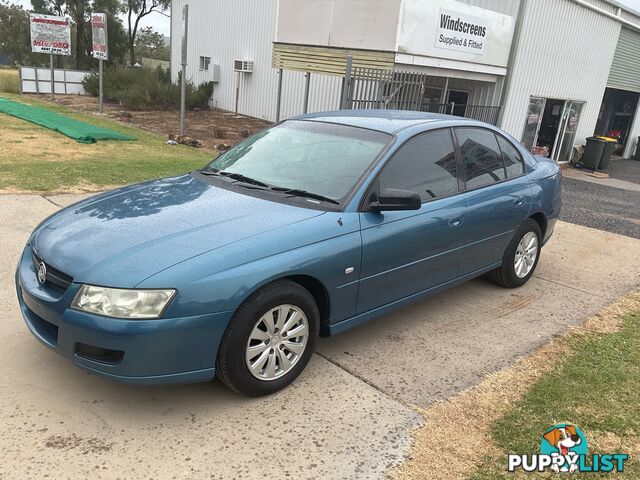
(15, 40)
(136, 10)
(151, 44)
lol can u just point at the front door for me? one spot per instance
(408, 252)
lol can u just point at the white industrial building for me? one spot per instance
(550, 72)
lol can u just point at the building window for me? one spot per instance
(204, 63)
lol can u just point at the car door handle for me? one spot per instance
(456, 222)
(519, 202)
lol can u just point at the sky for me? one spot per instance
(634, 4)
(159, 22)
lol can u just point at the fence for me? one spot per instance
(38, 80)
(368, 88)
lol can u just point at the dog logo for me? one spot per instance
(564, 448)
(42, 273)
(566, 441)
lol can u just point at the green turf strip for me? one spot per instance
(80, 131)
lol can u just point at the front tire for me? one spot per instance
(269, 340)
(521, 257)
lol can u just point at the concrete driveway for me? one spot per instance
(349, 414)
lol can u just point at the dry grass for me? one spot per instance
(9, 80)
(35, 159)
(456, 434)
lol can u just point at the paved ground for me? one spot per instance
(348, 416)
(609, 204)
(627, 170)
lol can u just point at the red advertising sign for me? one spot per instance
(99, 33)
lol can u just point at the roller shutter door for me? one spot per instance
(625, 69)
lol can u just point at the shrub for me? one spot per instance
(146, 89)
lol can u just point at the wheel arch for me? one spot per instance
(319, 293)
(541, 219)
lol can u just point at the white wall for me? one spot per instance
(565, 52)
(226, 30)
(367, 24)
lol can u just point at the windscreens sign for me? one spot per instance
(431, 30)
(461, 32)
(50, 34)
(99, 36)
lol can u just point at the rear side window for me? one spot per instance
(513, 163)
(425, 164)
(481, 157)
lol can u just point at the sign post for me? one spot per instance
(183, 84)
(100, 50)
(52, 35)
(53, 77)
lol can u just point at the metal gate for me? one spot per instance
(368, 88)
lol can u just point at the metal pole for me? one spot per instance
(53, 80)
(305, 107)
(443, 99)
(101, 81)
(237, 92)
(279, 95)
(346, 86)
(183, 80)
(183, 98)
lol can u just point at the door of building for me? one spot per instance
(460, 98)
(551, 126)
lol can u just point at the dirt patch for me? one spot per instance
(211, 127)
(84, 445)
(438, 453)
(75, 190)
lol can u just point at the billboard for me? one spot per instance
(50, 34)
(99, 36)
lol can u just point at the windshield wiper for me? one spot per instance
(235, 176)
(303, 193)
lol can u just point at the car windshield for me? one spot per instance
(321, 158)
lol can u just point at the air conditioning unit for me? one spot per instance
(244, 66)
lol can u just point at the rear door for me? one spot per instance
(407, 252)
(497, 193)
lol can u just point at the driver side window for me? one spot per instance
(425, 164)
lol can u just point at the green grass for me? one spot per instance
(36, 159)
(597, 388)
(9, 80)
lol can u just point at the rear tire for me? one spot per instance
(269, 340)
(521, 257)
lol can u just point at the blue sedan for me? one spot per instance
(307, 228)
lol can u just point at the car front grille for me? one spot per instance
(55, 278)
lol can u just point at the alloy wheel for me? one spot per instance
(276, 342)
(526, 254)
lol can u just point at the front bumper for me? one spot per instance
(163, 351)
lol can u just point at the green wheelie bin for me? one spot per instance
(607, 151)
(593, 152)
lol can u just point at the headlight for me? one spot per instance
(119, 303)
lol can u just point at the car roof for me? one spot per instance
(388, 121)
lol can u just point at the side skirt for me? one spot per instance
(376, 312)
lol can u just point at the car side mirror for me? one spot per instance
(392, 199)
